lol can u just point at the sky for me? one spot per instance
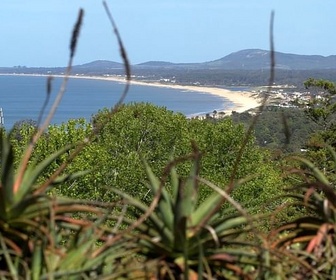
(37, 32)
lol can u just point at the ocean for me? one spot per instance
(22, 97)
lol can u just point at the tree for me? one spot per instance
(322, 106)
(144, 132)
(322, 110)
(135, 133)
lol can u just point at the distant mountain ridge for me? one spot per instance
(249, 59)
(260, 59)
(99, 64)
(155, 64)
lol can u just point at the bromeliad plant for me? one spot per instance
(310, 240)
(42, 237)
(184, 235)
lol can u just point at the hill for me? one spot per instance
(100, 64)
(253, 59)
(249, 59)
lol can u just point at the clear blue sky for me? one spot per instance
(37, 32)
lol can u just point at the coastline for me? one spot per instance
(241, 100)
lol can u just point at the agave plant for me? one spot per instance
(186, 236)
(310, 240)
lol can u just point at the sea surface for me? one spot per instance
(22, 97)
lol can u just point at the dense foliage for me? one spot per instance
(321, 108)
(140, 132)
(219, 77)
(280, 129)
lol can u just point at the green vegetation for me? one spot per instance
(286, 130)
(233, 222)
(140, 132)
(221, 77)
(46, 237)
(321, 108)
(143, 193)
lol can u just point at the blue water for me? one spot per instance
(21, 98)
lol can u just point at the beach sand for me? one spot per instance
(241, 100)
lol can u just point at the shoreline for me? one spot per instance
(241, 101)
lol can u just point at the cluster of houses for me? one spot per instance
(285, 96)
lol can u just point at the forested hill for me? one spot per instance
(260, 59)
(256, 59)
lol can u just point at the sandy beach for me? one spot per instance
(241, 100)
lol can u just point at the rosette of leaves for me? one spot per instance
(43, 237)
(309, 241)
(183, 236)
